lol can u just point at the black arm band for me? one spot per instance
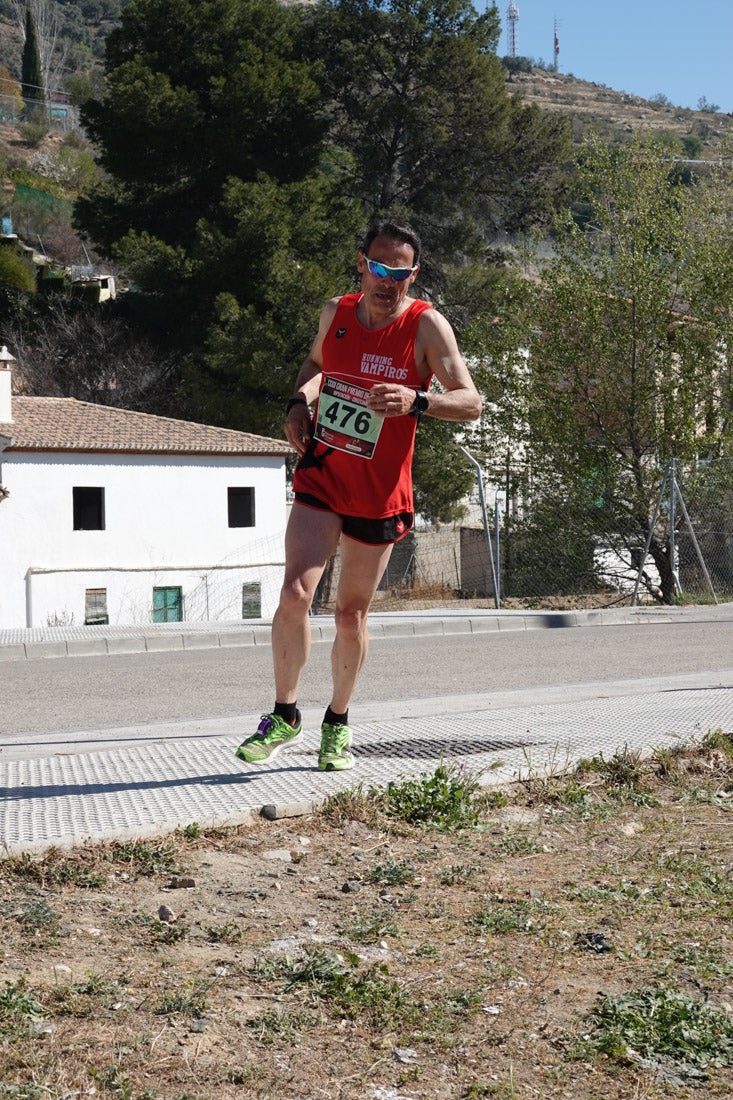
(294, 401)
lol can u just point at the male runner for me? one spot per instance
(368, 374)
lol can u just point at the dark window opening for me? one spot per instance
(88, 508)
(241, 507)
(252, 600)
(95, 607)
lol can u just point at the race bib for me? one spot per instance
(343, 420)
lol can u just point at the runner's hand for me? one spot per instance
(299, 428)
(389, 399)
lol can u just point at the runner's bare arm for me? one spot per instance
(298, 425)
(436, 352)
(437, 342)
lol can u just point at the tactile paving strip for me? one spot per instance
(60, 800)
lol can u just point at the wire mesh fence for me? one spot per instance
(56, 114)
(555, 552)
(562, 550)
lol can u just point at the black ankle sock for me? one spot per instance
(288, 711)
(332, 719)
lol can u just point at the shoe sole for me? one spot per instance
(266, 759)
(341, 766)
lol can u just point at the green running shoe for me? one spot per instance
(272, 733)
(335, 740)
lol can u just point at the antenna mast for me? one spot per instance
(555, 46)
(512, 15)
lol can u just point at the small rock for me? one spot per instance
(406, 1055)
(282, 854)
(221, 971)
(166, 915)
(383, 1042)
(310, 922)
(593, 941)
(181, 882)
(351, 887)
(62, 971)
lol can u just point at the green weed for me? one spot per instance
(39, 920)
(501, 918)
(621, 892)
(368, 995)
(24, 1092)
(80, 999)
(516, 845)
(371, 926)
(54, 869)
(162, 932)
(459, 874)
(113, 1082)
(189, 1001)
(354, 804)
(718, 739)
(449, 798)
(703, 961)
(144, 857)
(427, 950)
(391, 873)
(658, 1023)
(280, 1023)
(223, 933)
(666, 761)
(623, 773)
(20, 1009)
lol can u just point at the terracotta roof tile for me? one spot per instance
(65, 424)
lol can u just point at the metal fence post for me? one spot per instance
(673, 490)
(497, 539)
(484, 514)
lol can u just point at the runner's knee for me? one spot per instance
(295, 597)
(350, 621)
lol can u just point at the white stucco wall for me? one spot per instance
(166, 524)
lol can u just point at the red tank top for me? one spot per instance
(359, 464)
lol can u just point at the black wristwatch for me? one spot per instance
(293, 402)
(419, 406)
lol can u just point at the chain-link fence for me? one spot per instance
(56, 114)
(573, 550)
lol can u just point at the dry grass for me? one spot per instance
(352, 954)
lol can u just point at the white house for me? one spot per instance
(114, 516)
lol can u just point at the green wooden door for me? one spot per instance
(167, 605)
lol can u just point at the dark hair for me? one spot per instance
(404, 233)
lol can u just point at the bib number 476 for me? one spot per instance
(341, 415)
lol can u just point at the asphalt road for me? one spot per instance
(50, 696)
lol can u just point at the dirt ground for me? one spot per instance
(351, 954)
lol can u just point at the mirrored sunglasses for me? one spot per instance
(381, 271)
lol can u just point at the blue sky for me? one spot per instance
(681, 49)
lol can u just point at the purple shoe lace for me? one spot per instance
(265, 726)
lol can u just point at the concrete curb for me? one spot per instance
(113, 641)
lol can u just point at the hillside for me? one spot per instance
(615, 115)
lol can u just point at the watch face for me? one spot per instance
(421, 403)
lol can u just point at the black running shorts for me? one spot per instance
(374, 532)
